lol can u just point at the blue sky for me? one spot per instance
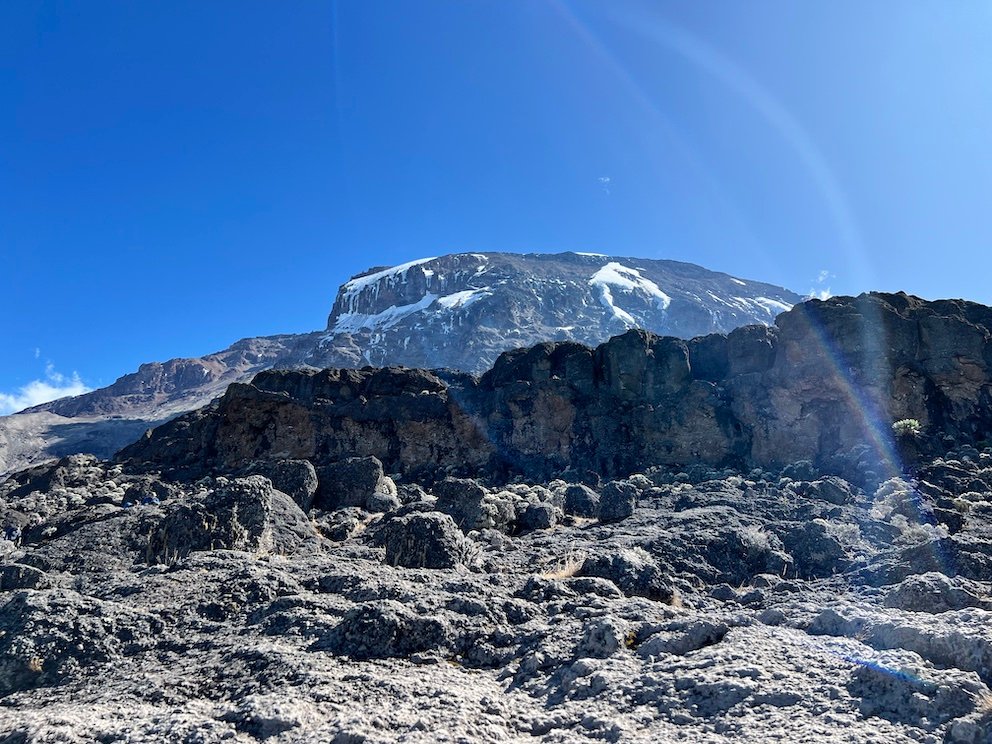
(177, 175)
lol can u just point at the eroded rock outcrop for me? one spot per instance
(826, 384)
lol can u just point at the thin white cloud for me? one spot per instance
(821, 294)
(54, 386)
(605, 182)
(824, 275)
(37, 352)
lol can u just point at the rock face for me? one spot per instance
(458, 311)
(825, 384)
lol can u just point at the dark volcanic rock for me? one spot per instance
(383, 629)
(630, 404)
(423, 540)
(248, 514)
(471, 506)
(47, 635)
(934, 592)
(350, 482)
(617, 501)
(633, 571)
(581, 501)
(296, 478)
(540, 516)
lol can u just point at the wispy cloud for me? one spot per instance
(54, 385)
(823, 293)
(605, 182)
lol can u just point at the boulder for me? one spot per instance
(634, 572)
(19, 576)
(354, 481)
(934, 592)
(831, 489)
(296, 478)
(383, 629)
(581, 501)
(423, 540)
(472, 507)
(617, 501)
(246, 514)
(816, 551)
(539, 516)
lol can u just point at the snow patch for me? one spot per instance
(774, 307)
(392, 274)
(593, 255)
(738, 281)
(617, 276)
(353, 322)
(463, 299)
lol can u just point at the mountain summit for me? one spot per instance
(461, 311)
(457, 311)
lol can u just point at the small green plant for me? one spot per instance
(906, 428)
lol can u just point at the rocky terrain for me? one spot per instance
(781, 534)
(457, 311)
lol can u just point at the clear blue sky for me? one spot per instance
(177, 175)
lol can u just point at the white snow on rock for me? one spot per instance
(463, 299)
(774, 307)
(353, 322)
(392, 274)
(627, 280)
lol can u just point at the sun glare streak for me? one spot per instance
(648, 105)
(774, 112)
(875, 421)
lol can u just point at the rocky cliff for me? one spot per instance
(826, 383)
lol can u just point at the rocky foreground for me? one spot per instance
(406, 556)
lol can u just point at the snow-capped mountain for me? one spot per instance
(462, 310)
(457, 311)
